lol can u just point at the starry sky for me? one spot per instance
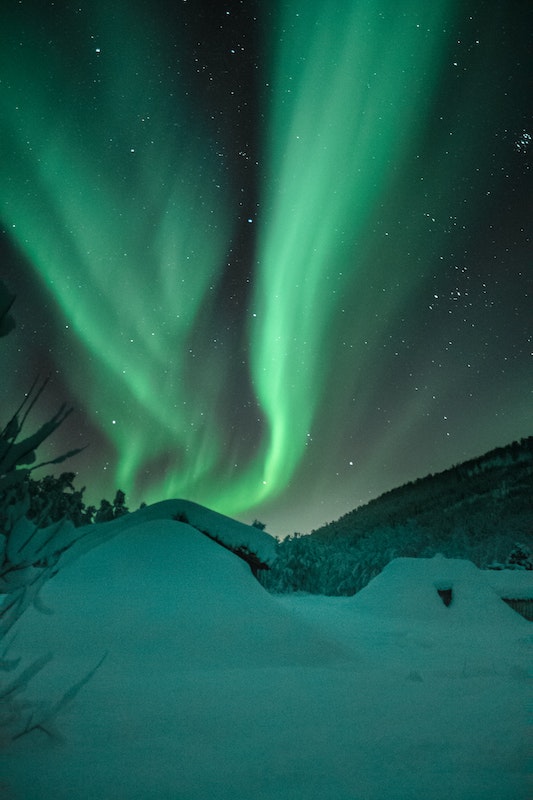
(276, 255)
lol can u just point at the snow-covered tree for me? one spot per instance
(30, 550)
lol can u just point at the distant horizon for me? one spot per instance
(248, 519)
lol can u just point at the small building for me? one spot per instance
(447, 590)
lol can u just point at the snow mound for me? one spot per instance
(436, 589)
(167, 598)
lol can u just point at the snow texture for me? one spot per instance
(213, 688)
(230, 532)
(409, 588)
(513, 583)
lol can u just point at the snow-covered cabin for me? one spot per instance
(447, 589)
(250, 543)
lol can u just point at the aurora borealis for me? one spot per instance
(277, 258)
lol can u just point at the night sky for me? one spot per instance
(276, 255)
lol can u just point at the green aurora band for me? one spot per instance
(117, 198)
(118, 177)
(340, 121)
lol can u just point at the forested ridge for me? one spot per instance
(480, 510)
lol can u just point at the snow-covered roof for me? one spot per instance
(515, 584)
(229, 532)
(409, 588)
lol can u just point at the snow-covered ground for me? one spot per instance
(212, 689)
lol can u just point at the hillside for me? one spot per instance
(478, 509)
(498, 483)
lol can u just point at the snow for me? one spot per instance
(408, 588)
(230, 532)
(213, 688)
(511, 583)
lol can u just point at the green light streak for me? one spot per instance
(127, 225)
(114, 192)
(347, 88)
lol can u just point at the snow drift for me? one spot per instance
(213, 688)
(169, 597)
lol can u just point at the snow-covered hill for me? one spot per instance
(212, 688)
